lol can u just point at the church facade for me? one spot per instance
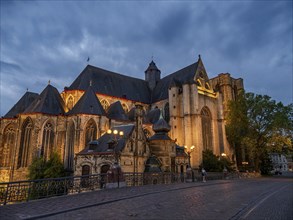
(158, 116)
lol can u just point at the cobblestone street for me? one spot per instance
(260, 198)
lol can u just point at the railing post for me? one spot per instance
(6, 194)
(28, 192)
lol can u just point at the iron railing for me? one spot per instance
(21, 191)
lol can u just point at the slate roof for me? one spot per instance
(88, 104)
(101, 145)
(180, 152)
(115, 111)
(118, 85)
(49, 102)
(112, 84)
(22, 104)
(184, 75)
(160, 136)
(153, 115)
(161, 125)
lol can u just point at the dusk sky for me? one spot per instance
(51, 40)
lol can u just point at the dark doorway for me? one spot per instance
(85, 178)
(104, 170)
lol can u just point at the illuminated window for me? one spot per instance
(48, 141)
(105, 104)
(7, 146)
(206, 124)
(26, 133)
(90, 132)
(70, 102)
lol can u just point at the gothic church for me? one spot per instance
(157, 117)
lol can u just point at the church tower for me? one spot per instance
(152, 75)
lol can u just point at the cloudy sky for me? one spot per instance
(51, 40)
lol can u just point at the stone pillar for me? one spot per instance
(187, 115)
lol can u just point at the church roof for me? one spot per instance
(153, 115)
(88, 104)
(102, 144)
(49, 102)
(22, 104)
(160, 136)
(186, 74)
(115, 111)
(161, 125)
(112, 84)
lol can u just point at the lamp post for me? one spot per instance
(225, 171)
(189, 172)
(116, 134)
(189, 151)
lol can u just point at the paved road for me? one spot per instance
(261, 198)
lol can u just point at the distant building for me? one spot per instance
(157, 115)
(280, 162)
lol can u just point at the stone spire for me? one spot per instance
(152, 75)
(161, 126)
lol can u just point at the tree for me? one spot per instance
(214, 163)
(36, 169)
(40, 169)
(260, 125)
(237, 125)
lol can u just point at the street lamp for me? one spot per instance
(189, 172)
(114, 142)
(189, 151)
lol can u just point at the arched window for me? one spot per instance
(206, 125)
(70, 102)
(105, 104)
(69, 153)
(167, 112)
(90, 132)
(125, 107)
(85, 170)
(48, 140)
(104, 169)
(7, 146)
(26, 133)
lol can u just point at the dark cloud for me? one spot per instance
(51, 40)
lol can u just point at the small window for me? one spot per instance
(125, 107)
(207, 86)
(70, 102)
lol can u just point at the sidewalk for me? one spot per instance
(47, 207)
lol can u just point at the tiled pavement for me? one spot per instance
(62, 204)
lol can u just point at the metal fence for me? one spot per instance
(13, 192)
